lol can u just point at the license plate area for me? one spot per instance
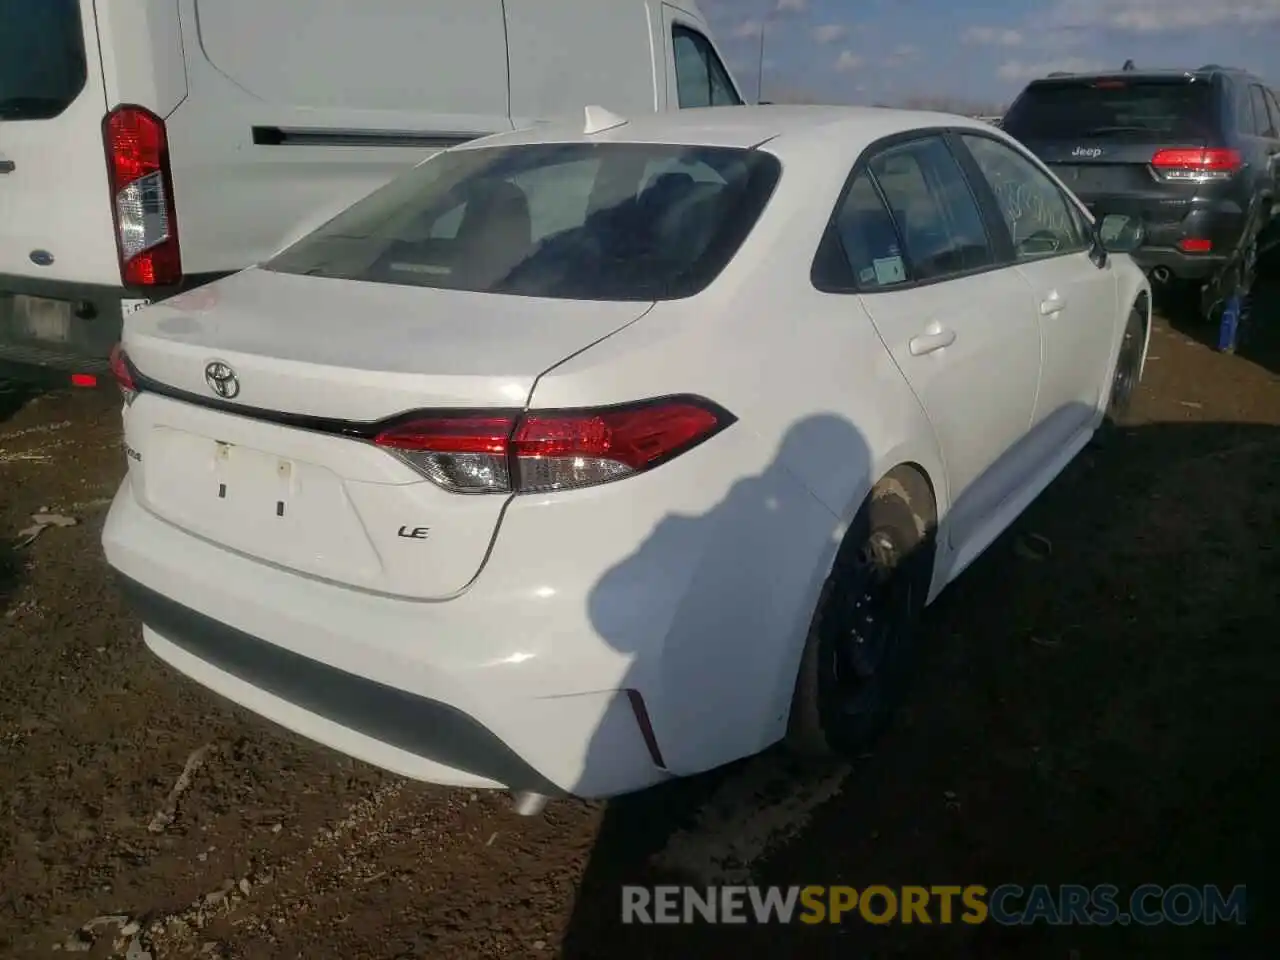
(39, 319)
(1103, 177)
(275, 508)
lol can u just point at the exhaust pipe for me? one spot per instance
(1160, 274)
(529, 804)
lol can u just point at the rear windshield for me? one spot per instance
(1120, 108)
(569, 221)
(42, 65)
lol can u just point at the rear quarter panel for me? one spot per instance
(823, 413)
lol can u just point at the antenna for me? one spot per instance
(1128, 66)
(760, 66)
(598, 120)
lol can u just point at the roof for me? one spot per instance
(1134, 74)
(743, 127)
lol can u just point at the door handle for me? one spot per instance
(1054, 303)
(935, 339)
(7, 166)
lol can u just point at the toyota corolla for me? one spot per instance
(584, 457)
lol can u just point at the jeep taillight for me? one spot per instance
(1196, 164)
(548, 450)
(142, 198)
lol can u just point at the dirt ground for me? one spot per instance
(1103, 714)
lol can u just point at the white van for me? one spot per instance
(148, 146)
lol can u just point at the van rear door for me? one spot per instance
(55, 209)
(297, 109)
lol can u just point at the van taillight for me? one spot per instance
(142, 198)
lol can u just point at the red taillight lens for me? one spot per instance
(123, 372)
(142, 198)
(552, 450)
(1195, 245)
(1196, 163)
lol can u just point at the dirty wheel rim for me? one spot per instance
(869, 621)
(1126, 378)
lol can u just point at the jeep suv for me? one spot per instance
(1193, 153)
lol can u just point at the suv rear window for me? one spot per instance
(42, 58)
(570, 221)
(1113, 108)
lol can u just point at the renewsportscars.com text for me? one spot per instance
(1007, 905)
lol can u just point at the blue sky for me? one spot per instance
(863, 51)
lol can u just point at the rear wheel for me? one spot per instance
(1124, 383)
(859, 652)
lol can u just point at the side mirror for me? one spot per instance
(1120, 233)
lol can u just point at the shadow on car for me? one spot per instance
(1095, 704)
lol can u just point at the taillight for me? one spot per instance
(551, 450)
(1196, 164)
(122, 370)
(142, 198)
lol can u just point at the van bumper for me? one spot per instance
(51, 329)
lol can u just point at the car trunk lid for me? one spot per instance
(281, 468)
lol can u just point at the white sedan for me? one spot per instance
(584, 457)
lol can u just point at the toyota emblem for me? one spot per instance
(222, 380)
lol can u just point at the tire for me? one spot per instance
(855, 668)
(1124, 382)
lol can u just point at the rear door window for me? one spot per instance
(934, 210)
(1272, 107)
(1246, 123)
(701, 79)
(869, 238)
(1261, 117)
(42, 58)
(1121, 109)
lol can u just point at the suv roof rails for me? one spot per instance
(1060, 73)
(1211, 68)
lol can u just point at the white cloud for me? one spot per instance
(847, 61)
(830, 32)
(747, 29)
(793, 6)
(902, 54)
(1159, 16)
(1020, 71)
(992, 37)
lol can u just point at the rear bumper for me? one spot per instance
(1183, 266)
(1222, 222)
(444, 692)
(676, 586)
(411, 724)
(49, 354)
